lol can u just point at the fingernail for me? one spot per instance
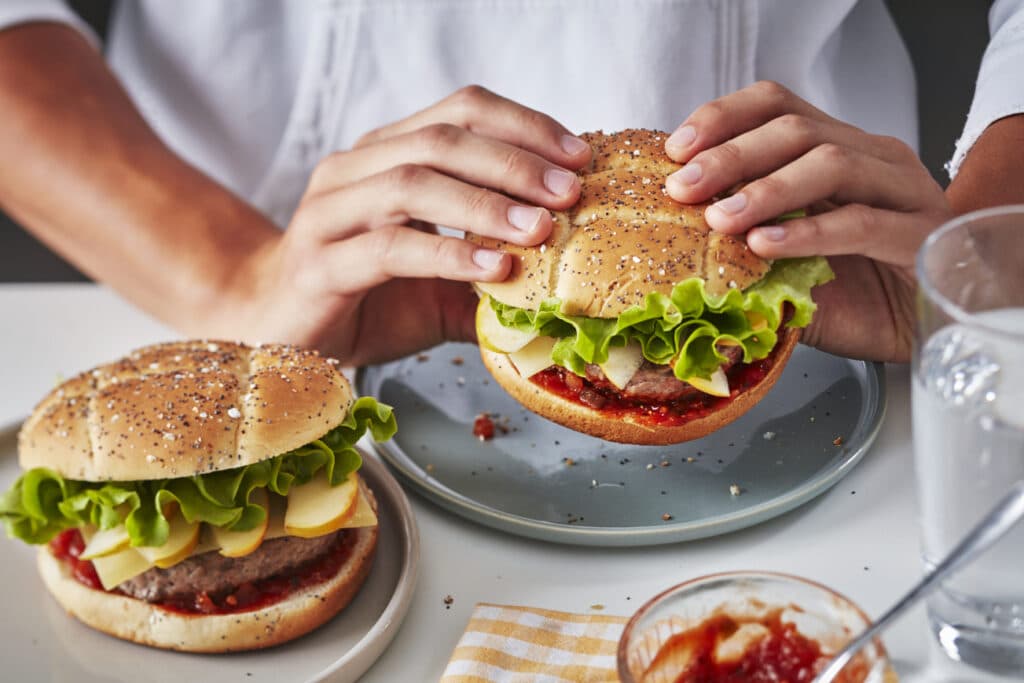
(732, 204)
(573, 145)
(772, 233)
(689, 174)
(558, 181)
(523, 218)
(487, 259)
(682, 138)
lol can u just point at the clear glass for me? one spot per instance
(968, 417)
(816, 611)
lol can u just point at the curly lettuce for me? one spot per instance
(684, 328)
(41, 503)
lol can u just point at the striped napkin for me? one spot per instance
(519, 644)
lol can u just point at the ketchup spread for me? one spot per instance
(251, 595)
(782, 655)
(67, 546)
(568, 385)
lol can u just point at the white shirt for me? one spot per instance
(254, 93)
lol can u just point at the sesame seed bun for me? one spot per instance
(141, 622)
(184, 408)
(624, 237)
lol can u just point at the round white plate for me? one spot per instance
(544, 481)
(39, 642)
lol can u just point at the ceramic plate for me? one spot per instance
(39, 642)
(545, 481)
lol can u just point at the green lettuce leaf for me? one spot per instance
(41, 503)
(688, 325)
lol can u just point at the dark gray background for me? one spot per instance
(946, 39)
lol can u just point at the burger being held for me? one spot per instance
(634, 321)
(200, 496)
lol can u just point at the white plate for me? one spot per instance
(545, 481)
(39, 642)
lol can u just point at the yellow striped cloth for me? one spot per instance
(510, 644)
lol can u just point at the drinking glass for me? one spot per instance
(968, 421)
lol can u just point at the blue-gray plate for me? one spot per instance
(541, 480)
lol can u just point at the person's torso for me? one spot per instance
(257, 92)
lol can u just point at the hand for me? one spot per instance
(870, 203)
(361, 272)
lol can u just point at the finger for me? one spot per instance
(481, 111)
(726, 117)
(396, 251)
(762, 150)
(827, 172)
(850, 229)
(461, 154)
(409, 192)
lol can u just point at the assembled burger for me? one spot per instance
(634, 321)
(200, 496)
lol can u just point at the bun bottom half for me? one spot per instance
(147, 624)
(627, 428)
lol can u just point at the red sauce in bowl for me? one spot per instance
(782, 655)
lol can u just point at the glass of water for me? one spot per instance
(968, 415)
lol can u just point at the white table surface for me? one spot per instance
(860, 538)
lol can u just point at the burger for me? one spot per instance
(200, 496)
(634, 321)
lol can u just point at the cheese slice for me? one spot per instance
(116, 568)
(622, 363)
(533, 357)
(362, 516)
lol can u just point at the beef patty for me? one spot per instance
(657, 383)
(213, 573)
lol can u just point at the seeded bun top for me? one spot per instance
(184, 408)
(625, 237)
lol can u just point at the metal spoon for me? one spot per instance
(1006, 513)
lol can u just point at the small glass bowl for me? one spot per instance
(817, 612)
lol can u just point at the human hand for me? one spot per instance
(870, 203)
(361, 272)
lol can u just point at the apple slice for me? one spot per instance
(241, 543)
(494, 336)
(106, 542)
(181, 541)
(316, 508)
(718, 385)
